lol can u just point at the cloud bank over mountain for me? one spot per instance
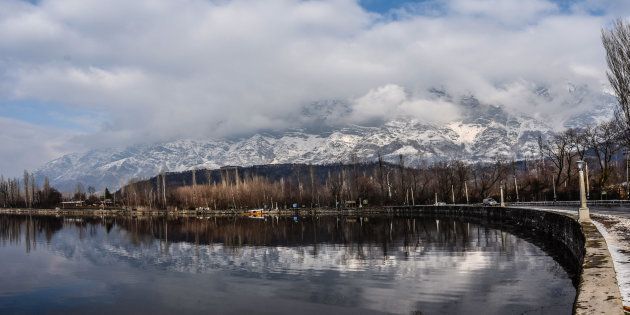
(157, 70)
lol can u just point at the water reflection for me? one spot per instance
(274, 265)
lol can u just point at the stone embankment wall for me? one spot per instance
(597, 290)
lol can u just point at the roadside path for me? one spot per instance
(614, 225)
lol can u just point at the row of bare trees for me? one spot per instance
(600, 146)
(552, 175)
(25, 192)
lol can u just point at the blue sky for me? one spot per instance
(52, 115)
(382, 6)
(81, 74)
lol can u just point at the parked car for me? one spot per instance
(441, 203)
(489, 202)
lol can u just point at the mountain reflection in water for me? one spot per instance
(376, 264)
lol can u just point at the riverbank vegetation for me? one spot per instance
(400, 180)
(27, 193)
(384, 180)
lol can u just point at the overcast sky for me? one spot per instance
(76, 74)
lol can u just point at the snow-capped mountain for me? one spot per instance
(481, 132)
(602, 107)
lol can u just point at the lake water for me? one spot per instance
(281, 265)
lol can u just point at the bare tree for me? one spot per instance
(380, 175)
(617, 45)
(79, 192)
(555, 150)
(578, 140)
(604, 142)
(27, 196)
(488, 176)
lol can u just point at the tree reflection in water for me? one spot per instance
(423, 263)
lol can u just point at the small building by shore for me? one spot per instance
(72, 204)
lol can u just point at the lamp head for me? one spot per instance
(580, 165)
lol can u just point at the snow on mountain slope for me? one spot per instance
(466, 133)
(600, 106)
(481, 133)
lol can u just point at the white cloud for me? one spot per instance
(510, 12)
(161, 69)
(391, 101)
(27, 146)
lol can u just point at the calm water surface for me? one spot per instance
(238, 265)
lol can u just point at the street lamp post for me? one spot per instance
(502, 201)
(583, 212)
(553, 183)
(516, 188)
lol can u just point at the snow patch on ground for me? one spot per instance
(616, 232)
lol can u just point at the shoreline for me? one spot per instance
(598, 288)
(157, 212)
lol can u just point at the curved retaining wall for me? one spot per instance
(597, 290)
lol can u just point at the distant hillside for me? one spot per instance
(272, 172)
(481, 133)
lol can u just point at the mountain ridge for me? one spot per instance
(482, 132)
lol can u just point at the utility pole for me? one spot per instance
(553, 182)
(163, 173)
(389, 186)
(502, 201)
(194, 183)
(516, 188)
(164, 189)
(466, 189)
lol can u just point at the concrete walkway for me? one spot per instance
(598, 291)
(614, 225)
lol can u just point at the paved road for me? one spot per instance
(618, 211)
(621, 211)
